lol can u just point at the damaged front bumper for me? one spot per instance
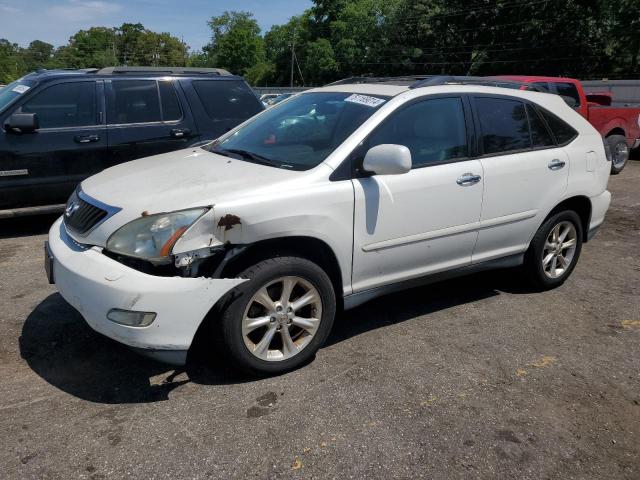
(95, 284)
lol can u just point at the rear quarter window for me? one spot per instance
(227, 99)
(540, 134)
(562, 131)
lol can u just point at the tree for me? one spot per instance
(92, 48)
(236, 44)
(340, 38)
(11, 62)
(319, 62)
(139, 46)
(38, 55)
(621, 28)
(278, 43)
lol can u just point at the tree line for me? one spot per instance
(97, 47)
(340, 38)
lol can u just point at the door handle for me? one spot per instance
(86, 138)
(468, 179)
(556, 164)
(180, 132)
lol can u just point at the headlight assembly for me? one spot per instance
(153, 237)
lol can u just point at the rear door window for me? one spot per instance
(64, 105)
(503, 124)
(227, 99)
(134, 101)
(540, 134)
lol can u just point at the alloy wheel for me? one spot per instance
(282, 318)
(620, 154)
(559, 249)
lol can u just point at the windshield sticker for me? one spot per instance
(20, 88)
(365, 100)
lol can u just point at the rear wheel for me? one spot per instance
(554, 250)
(619, 153)
(280, 317)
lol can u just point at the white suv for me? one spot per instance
(333, 197)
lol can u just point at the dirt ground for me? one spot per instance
(472, 378)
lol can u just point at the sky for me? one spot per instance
(54, 21)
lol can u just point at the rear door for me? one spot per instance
(70, 145)
(525, 174)
(146, 117)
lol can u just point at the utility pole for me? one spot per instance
(293, 45)
(184, 51)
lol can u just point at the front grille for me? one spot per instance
(80, 216)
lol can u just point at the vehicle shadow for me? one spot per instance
(415, 302)
(26, 226)
(62, 349)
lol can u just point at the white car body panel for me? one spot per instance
(403, 230)
(190, 178)
(519, 192)
(180, 303)
(381, 229)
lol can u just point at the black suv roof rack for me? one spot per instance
(161, 70)
(466, 80)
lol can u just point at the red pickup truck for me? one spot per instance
(620, 126)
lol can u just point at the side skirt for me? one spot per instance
(356, 299)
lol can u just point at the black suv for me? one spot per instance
(61, 126)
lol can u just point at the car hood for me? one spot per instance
(182, 179)
(176, 181)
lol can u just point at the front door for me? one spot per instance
(424, 221)
(70, 144)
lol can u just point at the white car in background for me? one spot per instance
(328, 199)
(264, 98)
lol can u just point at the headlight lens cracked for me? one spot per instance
(152, 237)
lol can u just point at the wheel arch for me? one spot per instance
(579, 204)
(310, 248)
(616, 131)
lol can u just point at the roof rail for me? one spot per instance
(465, 80)
(403, 80)
(160, 70)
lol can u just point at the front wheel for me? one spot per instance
(280, 317)
(554, 250)
(619, 152)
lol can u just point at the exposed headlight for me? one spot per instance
(152, 237)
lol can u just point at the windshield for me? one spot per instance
(300, 133)
(12, 91)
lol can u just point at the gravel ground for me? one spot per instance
(472, 378)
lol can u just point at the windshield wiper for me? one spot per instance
(247, 155)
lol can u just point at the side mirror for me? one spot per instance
(23, 123)
(387, 159)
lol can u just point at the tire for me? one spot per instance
(619, 153)
(241, 312)
(538, 264)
